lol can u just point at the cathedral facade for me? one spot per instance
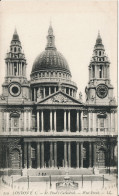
(44, 124)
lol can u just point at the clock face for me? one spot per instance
(102, 91)
(15, 89)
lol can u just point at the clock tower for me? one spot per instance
(16, 86)
(99, 89)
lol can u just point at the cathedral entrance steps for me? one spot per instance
(56, 171)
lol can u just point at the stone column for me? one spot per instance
(17, 69)
(7, 122)
(24, 120)
(98, 125)
(42, 154)
(81, 145)
(94, 154)
(111, 121)
(35, 94)
(55, 153)
(68, 120)
(55, 122)
(94, 122)
(38, 126)
(11, 125)
(50, 120)
(25, 155)
(21, 70)
(77, 120)
(5, 118)
(20, 123)
(43, 92)
(49, 90)
(64, 120)
(42, 121)
(7, 69)
(77, 154)
(65, 154)
(38, 154)
(55, 89)
(10, 64)
(13, 69)
(29, 120)
(90, 154)
(51, 154)
(29, 154)
(82, 127)
(69, 154)
(89, 121)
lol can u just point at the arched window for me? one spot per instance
(15, 49)
(99, 53)
(93, 71)
(100, 71)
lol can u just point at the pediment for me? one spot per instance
(60, 98)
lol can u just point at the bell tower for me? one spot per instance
(15, 60)
(16, 84)
(99, 89)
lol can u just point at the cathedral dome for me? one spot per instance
(50, 59)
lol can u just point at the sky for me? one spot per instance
(75, 25)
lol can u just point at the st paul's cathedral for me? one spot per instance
(43, 125)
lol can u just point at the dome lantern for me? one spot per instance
(50, 39)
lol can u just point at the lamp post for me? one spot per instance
(50, 182)
(12, 181)
(28, 181)
(109, 154)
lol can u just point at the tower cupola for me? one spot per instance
(99, 88)
(15, 59)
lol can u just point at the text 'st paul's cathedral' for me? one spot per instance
(44, 125)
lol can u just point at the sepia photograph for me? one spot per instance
(58, 98)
